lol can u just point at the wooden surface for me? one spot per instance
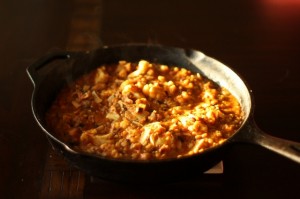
(259, 39)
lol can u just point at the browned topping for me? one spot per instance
(144, 111)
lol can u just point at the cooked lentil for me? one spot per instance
(144, 111)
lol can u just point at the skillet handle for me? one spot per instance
(253, 134)
(33, 69)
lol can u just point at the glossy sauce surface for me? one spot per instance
(144, 111)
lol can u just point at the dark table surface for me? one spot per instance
(259, 39)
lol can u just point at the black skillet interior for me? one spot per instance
(48, 79)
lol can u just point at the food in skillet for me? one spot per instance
(144, 111)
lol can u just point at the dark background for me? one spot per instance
(259, 39)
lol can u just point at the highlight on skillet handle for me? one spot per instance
(253, 134)
(32, 70)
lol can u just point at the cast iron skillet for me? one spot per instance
(54, 70)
